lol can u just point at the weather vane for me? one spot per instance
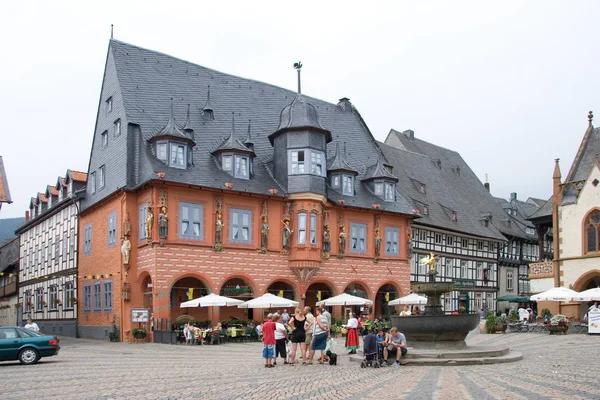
(298, 67)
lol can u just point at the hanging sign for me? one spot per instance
(139, 315)
(594, 321)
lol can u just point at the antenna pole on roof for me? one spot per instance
(111, 31)
(298, 67)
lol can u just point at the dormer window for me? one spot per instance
(303, 160)
(104, 138)
(117, 127)
(390, 192)
(109, 105)
(379, 188)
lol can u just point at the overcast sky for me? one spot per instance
(508, 85)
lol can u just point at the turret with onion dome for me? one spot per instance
(173, 145)
(381, 181)
(300, 144)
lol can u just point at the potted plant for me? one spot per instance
(43, 303)
(73, 300)
(501, 323)
(490, 322)
(139, 333)
(558, 324)
(57, 302)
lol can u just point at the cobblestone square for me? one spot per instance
(554, 367)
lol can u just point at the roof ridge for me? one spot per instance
(220, 72)
(425, 141)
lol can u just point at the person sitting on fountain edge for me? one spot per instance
(395, 345)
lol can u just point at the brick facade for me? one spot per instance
(173, 264)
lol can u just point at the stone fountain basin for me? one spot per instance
(436, 331)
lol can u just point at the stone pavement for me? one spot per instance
(554, 367)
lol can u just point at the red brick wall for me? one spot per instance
(182, 258)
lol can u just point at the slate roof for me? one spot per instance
(9, 253)
(148, 80)
(538, 202)
(586, 154)
(233, 143)
(4, 189)
(378, 171)
(519, 220)
(339, 163)
(416, 169)
(544, 211)
(457, 174)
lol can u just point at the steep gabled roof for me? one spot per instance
(77, 175)
(379, 171)
(147, 79)
(586, 154)
(463, 181)
(4, 190)
(440, 197)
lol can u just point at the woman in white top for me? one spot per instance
(352, 342)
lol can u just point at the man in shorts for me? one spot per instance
(268, 330)
(395, 346)
(308, 327)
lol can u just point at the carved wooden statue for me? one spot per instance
(264, 233)
(287, 236)
(125, 250)
(377, 243)
(342, 240)
(326, 241)
(163, 223)
(219, 229)
(149, 223)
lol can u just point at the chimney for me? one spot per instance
(26, 216)
(513, 196)
(486, 184)
(409, 133)
(344, 104)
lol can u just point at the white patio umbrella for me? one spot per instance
(413, 298)
(588, 295)
(555, 294)
(211, 300)
(268, 300)
(345, 299)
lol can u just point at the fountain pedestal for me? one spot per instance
(435, 330)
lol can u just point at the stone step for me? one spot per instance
(509, 357)
(469, 352)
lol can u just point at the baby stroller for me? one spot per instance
(371, 352)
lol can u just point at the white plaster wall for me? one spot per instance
(541, 285)
(571, 221)
(571, 217)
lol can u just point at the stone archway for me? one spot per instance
(184, 289)
(318, 291)
(283, 289)
(386, 293)
(358, 289)
(589, 280)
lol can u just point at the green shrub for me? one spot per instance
(545, 312)
(490, 323)
(113, 336)
(502, 320)
(139, 333)
(498, 313)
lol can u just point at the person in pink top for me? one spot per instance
(269, 341)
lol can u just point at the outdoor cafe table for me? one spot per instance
(234, 333)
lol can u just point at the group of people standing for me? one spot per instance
(310, 333)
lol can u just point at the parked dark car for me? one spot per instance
(28, 347)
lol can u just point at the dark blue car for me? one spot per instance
(28, 347)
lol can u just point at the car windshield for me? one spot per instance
(27, 333)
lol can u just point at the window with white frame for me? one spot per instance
(390, 191)
(161, 151)
(39, 299)
(68, 294)
(87, 240)
(72, 244)
(335, 181)
(53, 297)
(112, 229)
(301, 228)
(109, 105)
(104, 138)
(92, 182)
(348, 185)
(313, 228)
(463, 269)
(178, 155)
(101, 176)
(241, 167)
(27, 301)
(304, 161)
(190, 220)
(241, 222)
(379, 188)
(117, 127)
(358, 237)
(509, 280)
(391, 241)
(226, 162)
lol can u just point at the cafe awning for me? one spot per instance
(513, 298)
